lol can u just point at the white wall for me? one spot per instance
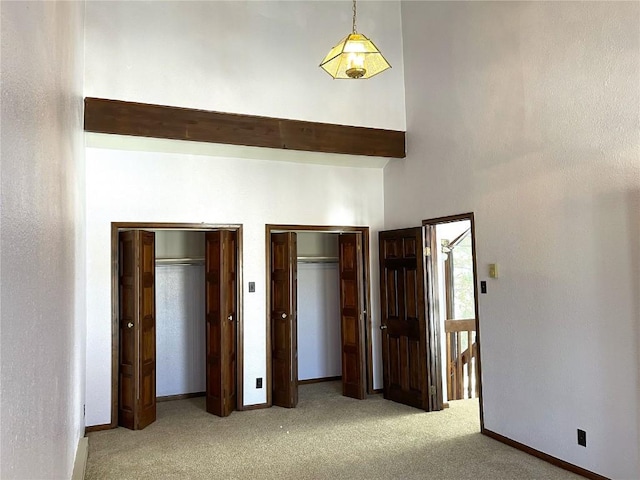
(173, 187)
(41, 241)
(246, 57)
(526, 113)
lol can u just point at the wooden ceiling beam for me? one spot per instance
(161, 121)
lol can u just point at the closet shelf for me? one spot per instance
(317, 259)
(180, 261)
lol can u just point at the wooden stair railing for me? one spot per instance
(457, 359)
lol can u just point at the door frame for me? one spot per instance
(450, 219)
(116, 227)
(366, 265)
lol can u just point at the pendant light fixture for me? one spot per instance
(354, 57)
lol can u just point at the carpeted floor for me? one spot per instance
(327, 436)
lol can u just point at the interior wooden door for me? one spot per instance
(137, 346)
(405, 354)
(284, 341)
(221, 325)
(354, 383)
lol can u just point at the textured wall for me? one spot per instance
(256, 58)
(527, 114)
(41, 243)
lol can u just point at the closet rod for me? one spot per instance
(180, 261)
(317, 259)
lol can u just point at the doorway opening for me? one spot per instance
(176, 318)
(429, 320)
(318, 298)
(457, 312)
(180, 308)
(454, 278)
(318, 292)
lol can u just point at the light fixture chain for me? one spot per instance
(354, 16)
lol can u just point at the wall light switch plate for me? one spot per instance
(493, 270)
(252, 287)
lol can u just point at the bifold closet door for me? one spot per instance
(220, 308)
(284, 337)
(137, 332)
(352, 322)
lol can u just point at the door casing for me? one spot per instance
(364, 231)
(116, 227)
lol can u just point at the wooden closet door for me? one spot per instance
(221, 325)
(137, 339)
(284, 341)
(352, 324)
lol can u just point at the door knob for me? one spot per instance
(284, 315)
(383, 327)
(230, 318)
(130, 325)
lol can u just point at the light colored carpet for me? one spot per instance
(327, 436)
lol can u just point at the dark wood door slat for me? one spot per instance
(354, 381)
(221, 325)
(161, 121)
(137, 335)
(284, 337)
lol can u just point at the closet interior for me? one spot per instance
(180, 313)
(319, 343)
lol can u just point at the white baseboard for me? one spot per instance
(81, 459)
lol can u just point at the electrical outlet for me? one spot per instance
(259, 382)
(483, 286)
(582, 438)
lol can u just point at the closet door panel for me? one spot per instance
(354, 381)
(221, 330)
(137, 333)
(284, 345)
